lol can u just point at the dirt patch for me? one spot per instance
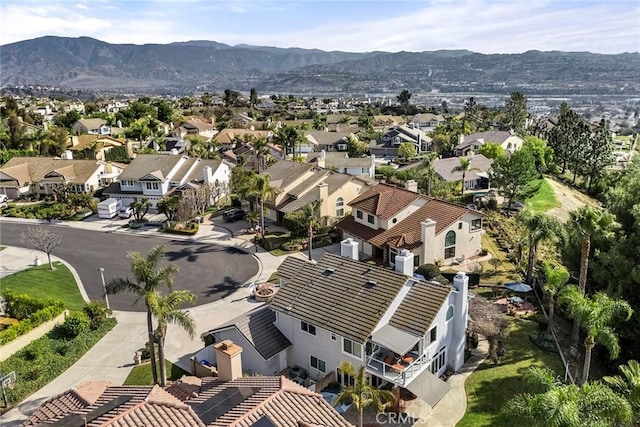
(569, 198)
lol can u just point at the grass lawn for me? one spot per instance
(141, 374)
(544, 199)
(42, 283)
(505, 271)
(490, 387)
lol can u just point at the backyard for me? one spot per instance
(141, 374)
(544, 198)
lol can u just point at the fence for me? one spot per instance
(17, 344)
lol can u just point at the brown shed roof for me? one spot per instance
(339, 294)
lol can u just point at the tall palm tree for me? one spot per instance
(588, 222)
(540, 227)
(627, 385)
(262, 189)
(427, 172)
(262, 151)
(563, 405)
(165, 309)
(311, 220)
(361, 393)
(596, 315)
(464, 167)
(149, 277)
(555, 279)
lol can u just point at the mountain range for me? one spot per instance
(87, 63)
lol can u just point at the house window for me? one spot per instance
(359, 214)
(371, 219)
(393, 253)
(450, 313)
(152, 185)
(318, 364)
(344, 379)
(438, 360)
(450, 245)
(476, 224)
(308, 328)
(340, 206)
(352, 348)
(433, 334)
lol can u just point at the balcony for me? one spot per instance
(399, 370)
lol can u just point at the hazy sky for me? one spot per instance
(487, 26)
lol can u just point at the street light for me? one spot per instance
(104, 287)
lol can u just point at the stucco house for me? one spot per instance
(341, 162)
(156, 175)
(299, 184)
(37, 176)
(477, 177)
(385, 220)
(100, 145)
(95, 127)
(328, 141)
(426, 121)
(469, 145)
(387, 145)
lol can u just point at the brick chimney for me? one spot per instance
(228, 360)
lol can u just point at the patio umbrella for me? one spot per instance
(518, 287)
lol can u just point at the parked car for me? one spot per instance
(125, 212)
(515, 206)
(3, 198)
(234, 214)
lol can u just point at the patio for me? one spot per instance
(516, 305)
(395, 368)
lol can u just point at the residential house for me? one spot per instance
(241, 121)
(299, 184)
(470, 144)
(83, 146)
(171, 145)
(328, 141)
(95, 127)
(386, 121)
(195, 126)
(228, 400)
(476, 177)
(426, 121)
(387, 145)
(38, 176)
(228, 138)
(406, 332)
(341, 162)
(155, 176)
(385, 220)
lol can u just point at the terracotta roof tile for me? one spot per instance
(384, 201)
(349, 225)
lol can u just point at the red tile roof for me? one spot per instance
(384, 201)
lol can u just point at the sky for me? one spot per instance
(484, 26)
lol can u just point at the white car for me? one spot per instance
(125, 212)
(3, 198)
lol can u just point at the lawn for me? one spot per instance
(141, 374)
(505, 272)
(42, 283)
(543, 199)
(489, 387)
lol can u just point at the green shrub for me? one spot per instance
(541, 320)
(429, 271)
(294, 222)
(75, 324)
(98, 313)
(192, 228)
(19, 306)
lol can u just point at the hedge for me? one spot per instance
(18, 305)
(185, 231)
(44, 359)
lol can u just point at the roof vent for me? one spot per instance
(370, 284)
(328, 271)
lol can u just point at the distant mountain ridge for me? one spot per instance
(87, 63)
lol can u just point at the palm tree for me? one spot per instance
(555, 279)
(165, 310)
(361, 393)
(596, 315)
(464, 167)
(149, 277)
(540, 227)
(262, 189)
(563, 405)
(427, 172)
(252, 217)
(140, 208)
(588, 222)
(262, 151)
(628, 385)
(311, 220)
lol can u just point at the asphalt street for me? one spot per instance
(210, 271)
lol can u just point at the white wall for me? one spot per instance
(468, 243)
(252, 361)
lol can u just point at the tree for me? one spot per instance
(361, 393)
(150, 277)
(512, 174)
(542, 154)
(253, 97)
(447, 133)
(491, 150)
(560, 405)
(165, 309)
(253, 218)
(540, 227)
(311, 214)
(516, 112)
(262, 189)
(627, 385)
(355, 147)
(289, 137)
(168, 206)
(403, 98)
(43, 239)
(428, 176)
(365, 121)
(17, 131)
(261, 147)
(464, 167)
(165, 111)
(486, 319)
(596, 316)
(140, 208)
(406, 150)
(599, 153)
(569, 139)
(555, 279)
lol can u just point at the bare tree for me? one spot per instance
(487, 320)
(43, 239)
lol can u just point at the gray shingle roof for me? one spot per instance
(290, 267)
(340, 160)
(145, 164)
(258, 328)
(419, 307)
(444, 167)
(333, 294)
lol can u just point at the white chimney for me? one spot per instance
(372, 169)
(428, 239)
(322, 159)
(460, 138)
(119, 123)
(349, 248)
(67, 155)
(461, 309)
(228, 360)
(411, 185)
(174, 152)
(404, 262)
(207, 175)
